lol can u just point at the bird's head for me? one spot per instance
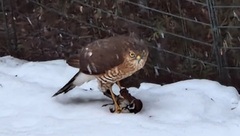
(138, 52)
(138, 56)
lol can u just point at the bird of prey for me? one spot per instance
(109, 60)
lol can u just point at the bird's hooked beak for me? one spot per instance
(138, 58)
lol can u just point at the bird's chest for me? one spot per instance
(118, 73)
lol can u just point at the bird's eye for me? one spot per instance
(132, 55)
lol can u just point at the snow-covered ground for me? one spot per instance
(186, 108)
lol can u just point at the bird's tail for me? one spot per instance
(77, 80)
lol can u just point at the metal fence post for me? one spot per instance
(217, 41)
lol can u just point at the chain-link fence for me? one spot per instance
(187, 38)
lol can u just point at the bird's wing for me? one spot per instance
(102, 55)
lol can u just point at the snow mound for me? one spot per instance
(191, 107)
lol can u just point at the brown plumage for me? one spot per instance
(109, 60)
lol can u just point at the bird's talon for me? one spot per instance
(115, 110)
(112, 110)
(118, 110)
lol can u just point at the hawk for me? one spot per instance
(108, 60)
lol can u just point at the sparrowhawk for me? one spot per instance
(109, 60)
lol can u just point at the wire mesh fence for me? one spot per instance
(187, 38)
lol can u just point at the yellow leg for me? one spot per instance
(116, 106)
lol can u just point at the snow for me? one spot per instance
(196, 107)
